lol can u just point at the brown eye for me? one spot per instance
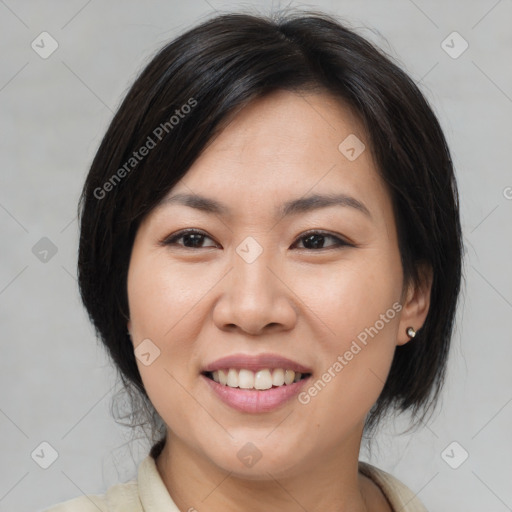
(316, 240)
(192, 239)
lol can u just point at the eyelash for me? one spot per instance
(339, 241)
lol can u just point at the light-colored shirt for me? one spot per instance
(148, 493)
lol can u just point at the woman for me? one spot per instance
(271, 252)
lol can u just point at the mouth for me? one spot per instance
(261, 380)
(256, 396)
(255, 383)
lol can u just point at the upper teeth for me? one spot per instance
(262, 379)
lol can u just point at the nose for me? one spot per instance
(255, 298)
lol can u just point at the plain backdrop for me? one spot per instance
(55, 380)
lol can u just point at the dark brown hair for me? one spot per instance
(216, 68)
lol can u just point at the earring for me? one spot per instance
(411, 332)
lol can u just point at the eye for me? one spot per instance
(315, 240)
(192, 239)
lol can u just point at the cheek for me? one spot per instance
(159, 315)
(161, 302)
(359, 305)
(351, 297)
(162, 295)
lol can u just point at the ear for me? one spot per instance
(416, 304)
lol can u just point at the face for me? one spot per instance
(318, 283)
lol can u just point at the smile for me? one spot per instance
(263, 379)
(251, 400)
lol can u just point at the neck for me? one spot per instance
(329, 483)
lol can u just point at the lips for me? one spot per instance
(254, 401)
(255, 363)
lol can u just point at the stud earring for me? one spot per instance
(410, 332)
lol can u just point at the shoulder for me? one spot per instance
(120, 497)
(398, 494)
(146, 492)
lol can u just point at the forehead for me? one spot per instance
(284, 146)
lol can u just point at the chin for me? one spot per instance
(257, 461)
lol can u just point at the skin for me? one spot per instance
(200, 302)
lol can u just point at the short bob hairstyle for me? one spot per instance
(184, 97)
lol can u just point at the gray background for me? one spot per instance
(55, 381)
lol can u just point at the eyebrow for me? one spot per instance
(293, 207)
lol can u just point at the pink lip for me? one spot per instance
(252, 400)
(255, 363)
